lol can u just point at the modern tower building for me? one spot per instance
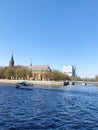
(70, 70)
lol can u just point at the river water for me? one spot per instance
(49, 108)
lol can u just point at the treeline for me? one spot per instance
(22, 72)
(59, 76)
(19, 72)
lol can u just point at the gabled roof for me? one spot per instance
(40, 68)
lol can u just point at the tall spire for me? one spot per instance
(11, 63)
(31, 63)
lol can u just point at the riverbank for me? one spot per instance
(43, 83)
(53, 83)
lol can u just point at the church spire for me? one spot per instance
(11, 63)
(31, 63)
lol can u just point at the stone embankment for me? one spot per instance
(53, 83)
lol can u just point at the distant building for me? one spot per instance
(11, 62)
(40, 72)
(70, 70)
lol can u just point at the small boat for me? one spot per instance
(24, 85)
(84, 83)
(66, 83)
(72, 83)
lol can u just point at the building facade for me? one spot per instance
(69, 70)
(41, 72)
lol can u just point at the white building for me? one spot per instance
(70, 70)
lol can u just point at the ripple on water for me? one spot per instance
(52, 108)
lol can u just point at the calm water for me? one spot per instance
(47, 108)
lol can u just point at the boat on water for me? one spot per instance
(24, 85)
(66, 83)
(84, 83)
(72, 83)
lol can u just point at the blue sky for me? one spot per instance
(53, 32)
